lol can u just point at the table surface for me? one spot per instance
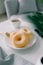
(30, 54)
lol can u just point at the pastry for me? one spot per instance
(19, 40)
(12, 34)
(27, 33)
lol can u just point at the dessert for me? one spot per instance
(20, 38)
(27, 33)
(12, 34)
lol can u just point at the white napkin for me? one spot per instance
(12, 59)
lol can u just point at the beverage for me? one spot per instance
(16, 23)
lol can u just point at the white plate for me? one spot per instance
(30, 44)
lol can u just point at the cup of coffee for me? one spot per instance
(16, 23)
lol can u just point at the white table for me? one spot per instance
(30, 54)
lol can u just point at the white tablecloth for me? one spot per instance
(31, 54)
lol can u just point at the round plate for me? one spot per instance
(30, 44)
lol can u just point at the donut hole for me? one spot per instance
(25, 30)
(18, 38)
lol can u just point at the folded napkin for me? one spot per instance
(5, 59)
(12, 59)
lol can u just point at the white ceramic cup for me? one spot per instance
(16, 23)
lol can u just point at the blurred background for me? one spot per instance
(35, 5)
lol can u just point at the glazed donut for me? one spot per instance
(12, 34)
(19, 40)
(27, 33)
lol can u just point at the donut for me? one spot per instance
(27, 33)
(19, 40)
(12, 34)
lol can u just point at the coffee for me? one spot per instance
(16, 20)
(16, 23)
